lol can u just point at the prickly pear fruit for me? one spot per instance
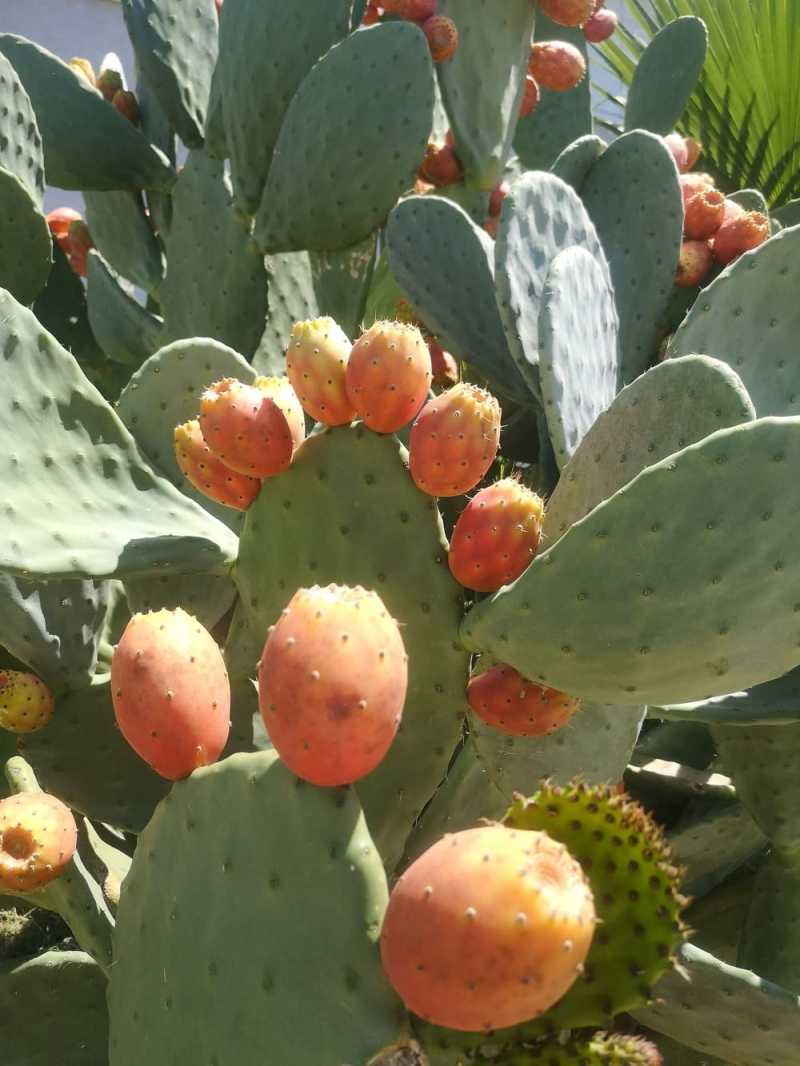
(454, 440)
(316, 362)
(496, 198)
(490, 225)
(694, 150)
(567, 12)
(602, 25)
(692, 184)
(694, 263)
(388, 375)
(444, 368)
(26, 703)
(487, 929)
(416, 10)
(441, 166)
(246, 429)
(507, 701)
(84, 69)
(442, 35)
(38, 837)
(110, 82)
(704, 214)
(126, 103)
(740, 234)
(676, 145)
(332, 683)
(80, 244)
(209, 474)
(170, 691)
(372, 14)
(280, 391)
(530, 97)
(496, 536)
(556, 65)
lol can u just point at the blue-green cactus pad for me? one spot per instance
(126, 331)
(25, 244)
(79, 499)
(666, 75)
(21, 143)
(283, 901)
(341, 282)
(675, 404)
(338, 124)
(750, 200)
(750, 318)
(291, 298)
(634, 199)
(445, 263)
(577, 159)
(773, 703)
(692, 600)
(175, 44)
(578, 350)
(711, 840)
(482, 83)
(770, 943)
(123, 234)
(216, 285)
(207, 597)
(87, 143)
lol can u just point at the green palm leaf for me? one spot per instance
(746, 107)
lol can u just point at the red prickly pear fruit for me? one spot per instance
(415, 10)
(246, 429)
(704, 214)
(488, 928)
(496, 536)
(422, 188)
(444, 368)
(694, 150)
(280, 391)
(530, 97)
(316, 362)
(740, 234)
(509, 702)
(676, 146)
(490, 226)
(454, 440)
(732, 211)
(109, 82)
(556, 65)
(126, 103)
(449, 139)
(602, 25)
(694, 263)
(84, 69)
(441, 166)
(389, 375)
(208, 474)
(38, 837)
(567, 12)
(692, 184)
(442, 35)
(170, 690)
(59, 221)
(26, 703)
(332, 683)
(496, 198)
(80, 244)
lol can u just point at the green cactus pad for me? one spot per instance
(577, 159)
(21, 144)
(385, 298)
(87, 144)
(678, 586)
(541, 216)
(773, 703)
(340, 120)
(175, 44)
(750, 318)
(55, 1006)
(560, 117)
(291, 298)
(482, 84)
(750, 200)
(445, 264)
(216, 135)
(25, 244)
(82, 758)
(309, 892)
(341, 282)
(598, 1050)
(382, 533)
(79, 499)
(207, 597)
(671, 406)
(666, 75)
(221, 295)
(711, 840)
(578, 352)
(770, 943)
(124, 235)
(787, 214)
(634, 199)
(256, 95)
(53, 626)
(725, 1011)
(125, 330)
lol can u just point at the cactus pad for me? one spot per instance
(666, 75)
(342, 280)
(25, 244)
(125, 330)
(577, 159)
(773, 703)
(21, 145)
(123, 234)
(291, 298)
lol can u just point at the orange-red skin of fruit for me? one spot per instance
(442, 35)
(372, 14)
(692, 184)
(530, 96)
(59, 221)
(693, 151)
(676, 145)
(414, 10)
(332, 683)
(444, 368)
(388, 375)
(441, 166)
(741, 234)
(454, 440)
(469, 939)
(602, 25)
(246, 429)
(496, 536)
(704, 214)
(490, 225)
(26, 703)
(38, 837)
(280, 391)
(498, 195)
(507, 701)
(170, 691)
(567, 12)
(694, 263)
(316, 362)
(556, 65)
(209, 474)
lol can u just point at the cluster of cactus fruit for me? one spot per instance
(397, 579)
